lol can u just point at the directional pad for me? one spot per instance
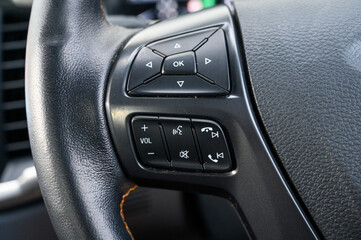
(191, 64)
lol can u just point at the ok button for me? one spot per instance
(180, 64)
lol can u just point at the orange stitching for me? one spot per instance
(102, 8)
(122, 212)
(103, 13)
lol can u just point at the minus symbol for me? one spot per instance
(151, 153)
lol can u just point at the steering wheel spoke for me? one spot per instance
(252, 165)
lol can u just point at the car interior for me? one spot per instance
(180, 119)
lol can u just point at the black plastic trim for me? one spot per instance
(256, 186)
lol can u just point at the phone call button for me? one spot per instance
(213, 145)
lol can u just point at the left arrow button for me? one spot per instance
(150, 64)
(146, 65)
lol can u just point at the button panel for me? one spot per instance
(191, 64)
(181, 144)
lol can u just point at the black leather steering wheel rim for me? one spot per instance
(70, 51)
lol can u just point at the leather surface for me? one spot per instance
(70, 51)
(304, 61)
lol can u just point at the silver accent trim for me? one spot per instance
(21, 190)
(23, 3)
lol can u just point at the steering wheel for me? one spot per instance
(284, 98)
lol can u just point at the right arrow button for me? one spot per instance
(212, 60)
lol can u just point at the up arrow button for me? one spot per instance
(181, 43)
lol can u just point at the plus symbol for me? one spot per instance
(144, 128)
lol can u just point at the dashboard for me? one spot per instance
(158, 9)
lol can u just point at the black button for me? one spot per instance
(181, 144)
(182, 43)
(182, 63)
(212, 60)
(145, 65)
(148, 139)
(177, 85)
(213, 145)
